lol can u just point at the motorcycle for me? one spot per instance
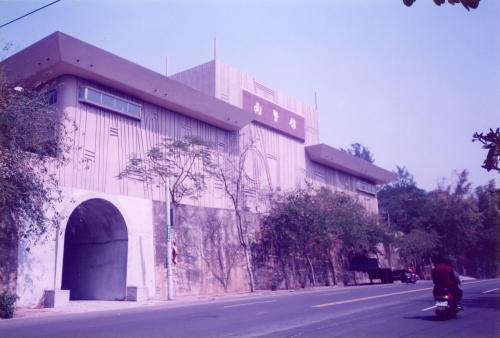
(409, 277)
(446, 305)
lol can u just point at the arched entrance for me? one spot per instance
(95, 252)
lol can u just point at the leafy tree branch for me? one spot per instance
(491, 142)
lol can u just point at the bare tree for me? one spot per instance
(228, 170)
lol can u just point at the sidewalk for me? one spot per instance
(85, 306)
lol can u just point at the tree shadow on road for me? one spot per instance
(430, 318)
(490, 302)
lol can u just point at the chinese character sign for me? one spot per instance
(257, 108)
(274, 116)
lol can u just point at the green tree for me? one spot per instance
(182, 162)
(468, 4)
(450, 220)
(402, 203)
(310, 225)
(454, 215)
(357, 229)
(491, 142)
(34, 137)
(484, 258)
(360, 151)
(417, 246)
(405, 207)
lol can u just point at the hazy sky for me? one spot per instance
(412, 84)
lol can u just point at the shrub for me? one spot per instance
(7, 301)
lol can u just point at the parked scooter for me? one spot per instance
(446, 305)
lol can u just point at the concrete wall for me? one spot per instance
(280, 161)
(210, 257)
(226, 83)
(211, 260)
(35, 271)
(102, 145)
(104, 141)
(8, 253)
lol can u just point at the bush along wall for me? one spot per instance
(7, 301)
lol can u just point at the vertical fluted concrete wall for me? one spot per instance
(104, 141)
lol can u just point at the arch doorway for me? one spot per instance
(95, 252)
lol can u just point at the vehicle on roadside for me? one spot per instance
(371, 266)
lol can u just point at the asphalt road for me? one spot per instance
(394, 310)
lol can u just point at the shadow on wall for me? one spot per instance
(95, 252)
(210, 259)
(221, 253)
(8, 256)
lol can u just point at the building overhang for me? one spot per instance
(343, 161)
(60, 54)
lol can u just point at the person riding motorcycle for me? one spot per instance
(444, 276)
(413, 272)
(410, 275)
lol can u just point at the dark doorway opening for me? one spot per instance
(95, 252)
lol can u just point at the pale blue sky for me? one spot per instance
(412, 84)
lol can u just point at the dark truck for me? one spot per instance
(371, 266)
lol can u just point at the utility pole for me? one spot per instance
(390, 246)
(170, 286)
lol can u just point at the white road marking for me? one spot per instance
(332, 293)
(370, 297)
(245, 304)
(476, 281)
(429, 308)
(491, 290)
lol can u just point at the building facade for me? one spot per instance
(111, 242)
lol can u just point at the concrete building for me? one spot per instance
(115, 248)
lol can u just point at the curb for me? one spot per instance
(78, 307)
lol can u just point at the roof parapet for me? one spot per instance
(337, 159)
(60, 54)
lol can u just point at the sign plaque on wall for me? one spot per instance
(274, 116)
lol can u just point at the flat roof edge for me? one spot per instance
(60, 54)
(340, 160)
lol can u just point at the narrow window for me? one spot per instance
(110, 102)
